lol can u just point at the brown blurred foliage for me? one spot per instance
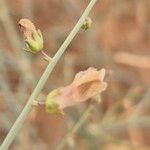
(119, 40)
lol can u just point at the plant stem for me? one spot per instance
(20, 120)
(79, 123)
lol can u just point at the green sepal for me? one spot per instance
(36, 44)
(51, 105)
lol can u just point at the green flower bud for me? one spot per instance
(33, 37)
(87, 24)
(36, 44)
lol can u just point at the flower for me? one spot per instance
(85, 85)
(33, 37)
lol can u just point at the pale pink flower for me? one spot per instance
(85, 85)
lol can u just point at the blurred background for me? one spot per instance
(119, 40)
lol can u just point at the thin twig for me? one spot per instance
(133, 60)
(76, 127)
(46, 57)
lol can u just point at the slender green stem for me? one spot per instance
(20, 120)
(79, 123)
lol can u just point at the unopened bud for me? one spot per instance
(33, 37)
(87, 23)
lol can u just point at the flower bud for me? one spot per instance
(33, 37)
(87, 24)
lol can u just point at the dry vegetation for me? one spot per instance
(119, 40)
